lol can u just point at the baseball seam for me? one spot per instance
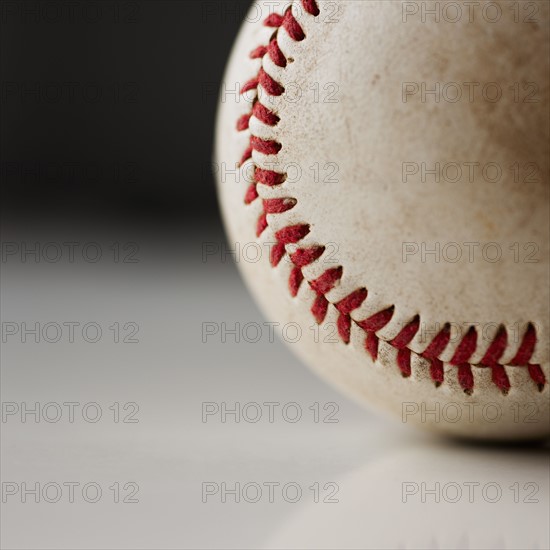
(322, 285)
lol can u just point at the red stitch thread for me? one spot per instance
(406, 334)
(301, 258)
(292, 233)
(250, 85)
(258, 53)
(269, 177)
(432, 352)
(278, 206)
(438, 344)
(261, 225)
(295, 281)
(263, 114)
(496, 349)
(274, 20)
(500, 378)
(327, 280)
(352, 301)
(492, 356)
(292, 26)
(466, 347)
(526, 348)
(306, 256)
(535, 372)
(242, 123)
(276, 54)
(323, 284)
(270, 85)
(267, 147)
(247, 155)
(345, 307)
(466, 378)
(371, 345)
(319, 308)
(277, 253)
(462, 354)
(343, 324)
(404, 361)
(437, 373)
(373, 324)
(402, 340)
(311, 7)
(377, 321)
(251, 194)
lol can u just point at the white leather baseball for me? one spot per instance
(426, 298)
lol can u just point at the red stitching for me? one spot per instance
(496, 349)
(377, 321)
(325, 283)
(345, 307)
(466, 378)
(432, 352)
(526, 348)
(246, 155)
(250, 85)
(258, 53)
(306, 256)
(401, 341)
(269, 177)
(278, 206)
(261, 225)
(438, 344)
(263, 114)
(267, 147)
(251, 194)
(292, 26)
(242, 123)
(274, 20)
(492, 356)
(292, 234)
(311, 7)
(270, 85)
(330, 278)
(295, 280)
(276, 54)
(466, 348)
(372, 325)
(537, 375)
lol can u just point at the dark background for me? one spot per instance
(108, 107)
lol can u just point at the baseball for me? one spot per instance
(388, 161)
